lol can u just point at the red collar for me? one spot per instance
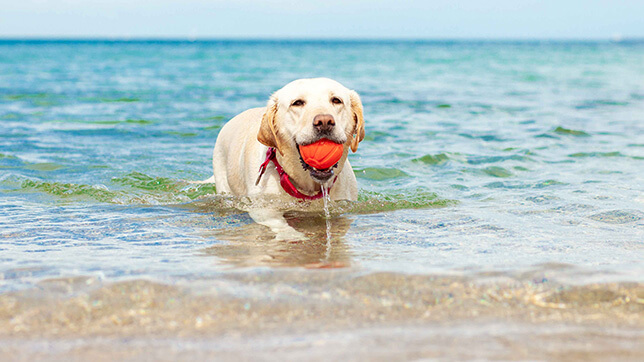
(285, 180)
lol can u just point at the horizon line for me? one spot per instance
(305, 39)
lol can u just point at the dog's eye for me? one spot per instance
(297, 103)
(336, 100)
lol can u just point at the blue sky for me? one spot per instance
(323, 19)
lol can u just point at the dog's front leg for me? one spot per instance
(275, 220)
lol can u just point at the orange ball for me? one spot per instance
(322, 154)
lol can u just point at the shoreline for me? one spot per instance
(265, 303)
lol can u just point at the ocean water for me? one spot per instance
(501, 204)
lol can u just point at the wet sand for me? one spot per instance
(322, 315)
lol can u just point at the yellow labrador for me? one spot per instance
(302, 112)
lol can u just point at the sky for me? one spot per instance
(415, 19)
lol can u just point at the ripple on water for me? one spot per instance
(369, 201)
(181, 134)
(617, 216)
(120, 100)
(142, 181)
(140, 122)
(377, 136)
(432, 160)
(15, 163)
(379, 173)
(539, 199)
(46, 166)
(547, 183)
(600, 103)
(570, 132)
(484, 137)
(496, 171)
(596, 154)
(522, 185)
(67, 190)
(481, 159)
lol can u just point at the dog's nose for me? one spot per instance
(323, 123)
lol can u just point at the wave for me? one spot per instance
(133, 188)
(137, 188)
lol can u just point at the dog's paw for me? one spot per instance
(289, 234)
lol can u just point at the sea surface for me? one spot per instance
(501, 208)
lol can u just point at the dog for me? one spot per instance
(257, 152)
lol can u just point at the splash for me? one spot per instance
(327, 219)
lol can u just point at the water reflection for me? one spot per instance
(255, 245)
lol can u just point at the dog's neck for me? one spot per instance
(298, 175)
(285, 180)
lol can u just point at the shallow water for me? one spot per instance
(501, 198)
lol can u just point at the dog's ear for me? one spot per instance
(358, 131)
(267, 134)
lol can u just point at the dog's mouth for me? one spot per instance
(321, 176)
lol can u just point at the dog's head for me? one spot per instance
(307, 110)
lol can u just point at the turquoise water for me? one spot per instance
(498, 162)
